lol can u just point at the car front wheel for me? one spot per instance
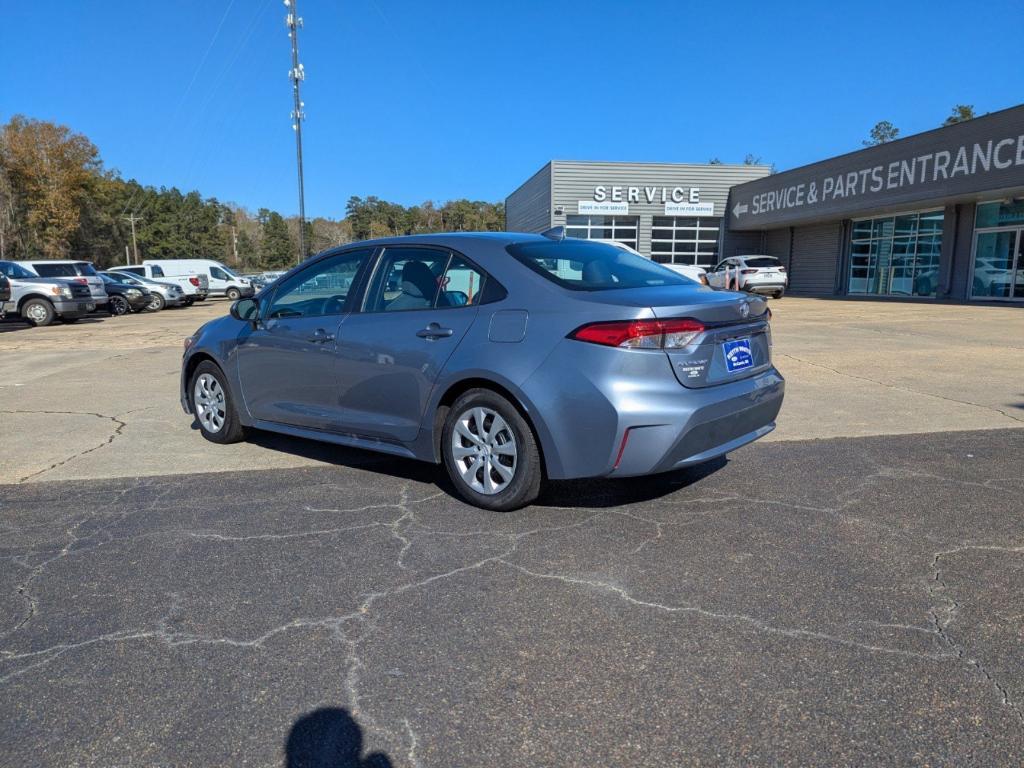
(119, 305)
(234, 294)
(490, 452)
(213, 406)
(38, 312)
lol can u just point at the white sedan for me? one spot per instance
(756, 274)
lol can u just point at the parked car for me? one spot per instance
(195, 287)
(163, 294)
(79, 271)
(5, 292)
(40, 300)
(509, 358)
(257, 280)
(222, 281)
(695, 273)
(125, 297)
(756, 274)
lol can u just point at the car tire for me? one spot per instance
(778, 294)
(38, 312)
(233, 294)
(119, 306)
(157, 303)
(189, 302)
(213, 405)
(473, 463)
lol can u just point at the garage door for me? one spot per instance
(815, 255)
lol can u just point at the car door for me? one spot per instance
(287, 363)
(418, 307)
(716, 276)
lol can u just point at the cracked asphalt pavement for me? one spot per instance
(847, 592)
(841, 602)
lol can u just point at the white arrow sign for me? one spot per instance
(738, 209)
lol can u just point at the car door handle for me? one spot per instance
(434, 331)
(320, 336)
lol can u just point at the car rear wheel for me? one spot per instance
(119, 305)
(38, 312)
(156, 303)
(212, 405)
(189, 301)
(490, 452)
(778, 294)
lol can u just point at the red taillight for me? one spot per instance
(641, 334)
(748, 271)
(81, 280)
(194, 281)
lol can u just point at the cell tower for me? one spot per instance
(297, 74)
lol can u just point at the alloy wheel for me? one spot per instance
(208, 400)
(484, 450)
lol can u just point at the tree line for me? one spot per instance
(58, 200)
(884, 131)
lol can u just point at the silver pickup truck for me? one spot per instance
(41, 300)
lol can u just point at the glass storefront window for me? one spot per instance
(685, 240)
(896, 255)
(620, 228)
(1000, 214)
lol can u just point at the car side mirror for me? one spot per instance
(247, 310)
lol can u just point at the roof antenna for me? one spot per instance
(555, 233)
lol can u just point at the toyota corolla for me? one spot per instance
(511, 359)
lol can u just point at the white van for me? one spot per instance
(223, 281)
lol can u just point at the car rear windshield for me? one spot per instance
(586, 266)
(762, 261)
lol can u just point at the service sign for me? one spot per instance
(980, 155)
(689, 209)
(604, 207)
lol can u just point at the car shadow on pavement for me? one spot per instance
(588, 493)
(596, 493)
(329, 738)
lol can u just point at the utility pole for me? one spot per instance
(135, 247)
(297, 74)
(234, 244)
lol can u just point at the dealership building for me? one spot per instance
(935, 216)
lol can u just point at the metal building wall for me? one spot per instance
(573, 181)
(528, 209)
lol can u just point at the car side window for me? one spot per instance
(320, 289)
(407, 279)
(462, 284)
(157, 272)
(218, 273)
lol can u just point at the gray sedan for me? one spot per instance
(510, 358)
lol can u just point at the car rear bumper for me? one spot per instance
(600, 413)
(765, 287)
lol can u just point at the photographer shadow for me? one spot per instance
(329, 738)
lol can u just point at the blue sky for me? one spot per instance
(438, 100)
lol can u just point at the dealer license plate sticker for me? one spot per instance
(738, 355)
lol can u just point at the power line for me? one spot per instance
(297, 74)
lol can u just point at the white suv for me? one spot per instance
(756, 274)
